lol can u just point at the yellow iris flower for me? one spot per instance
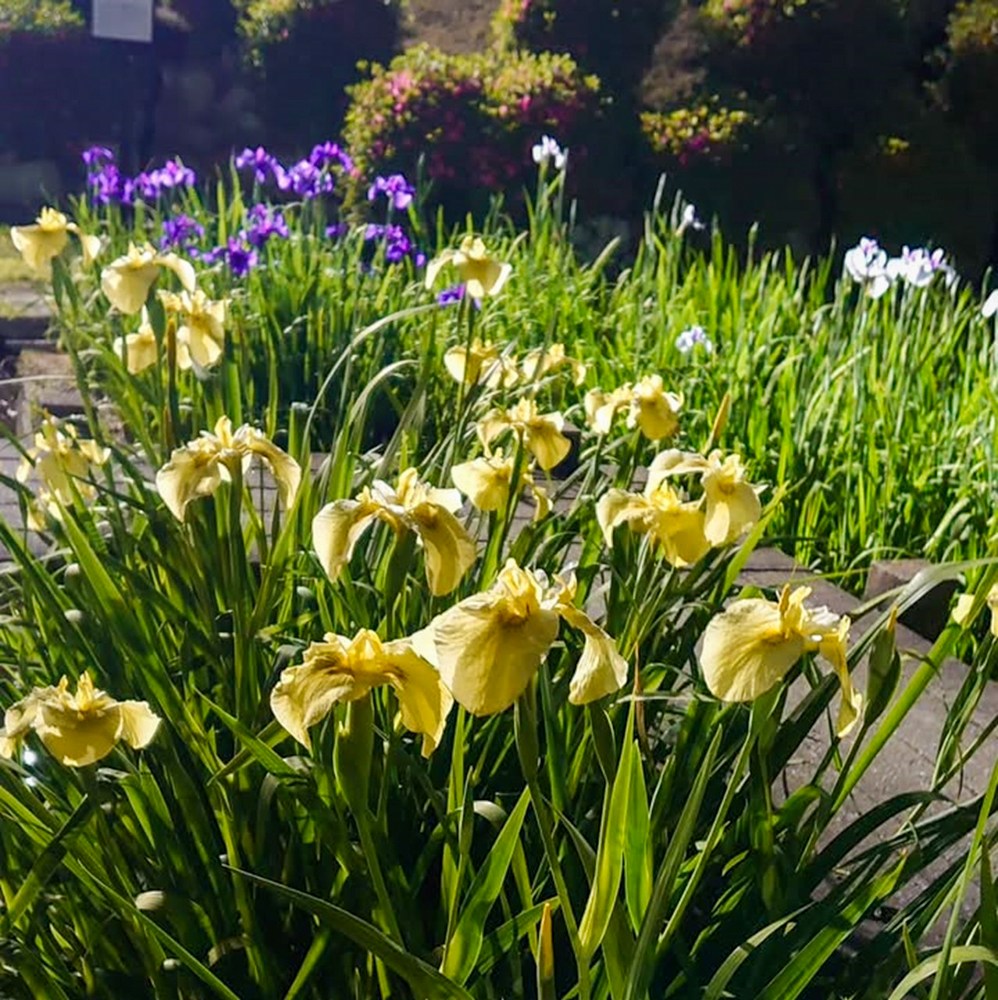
(200, 324)
(538, 362)
(141, 351)
(40, 243)
(539, 432)
(126, 280)
(601, 407)
(412, 506)
(482, 361)
(731, 504)
(197, 469)
(654, 410)
(749, 648)
(677, 526)
(489, 646)
(487, 482)
(341, 669)
(78, 729)
(966, 601)
(482, 275)
(59, 457)
(649, 407)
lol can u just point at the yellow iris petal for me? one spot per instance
(336, 529)
(340, 670)
(485, 481)
(489, 645)
(746, 650)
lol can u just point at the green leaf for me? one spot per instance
(795, 976)
(463, 948)
(884, 673)
(637, 846)
(46, 863)
(610, 852)
(254, 745)
(502, 939)
(989, 923)
(423, 978)
(925, 970)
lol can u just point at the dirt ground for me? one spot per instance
(451, 26)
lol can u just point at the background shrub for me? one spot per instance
(612, 38)
(474, 118)
(45, 53)
(304, 53)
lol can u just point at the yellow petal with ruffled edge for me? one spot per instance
(485, 481)
(618, 507)
(546, 442)
(653, 410)
(285, 469)
(448, 548)
(126, 281)
(680, 532)
(747, 650)
(336, 669)
(336, 530)
(140, 349)
(38, 245)
(193, 471)
(489, 645)
(833, 648)
(423, 697)
(435, 266)
(601, 669)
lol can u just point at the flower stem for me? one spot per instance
(525, 726)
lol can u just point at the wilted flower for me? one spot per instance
(126, 281)
(690, 338)
(539, 432)
(59, 457)
(198, 468)
(78, 729)
(412, 506)
(481, 274)
(548, 149)
(541, 360)
(342, 669)
(482, 361)
(749, 648)
(488, 646)
(200, 325)
(660, 512)
(732, 504)
(38, 244)
(487, 481)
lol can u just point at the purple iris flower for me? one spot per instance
(97, 156)
(327, 153)
(396, 189)
(450, 295)
(264, 222)
(181, 233)
(240, 257)
(336, 231)
(263, 164)
(307, 181)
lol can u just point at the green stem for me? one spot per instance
(527, 748)
(370, 850)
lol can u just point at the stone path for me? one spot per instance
(906, 764)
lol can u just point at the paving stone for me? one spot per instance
(25, 314)
(928, 615)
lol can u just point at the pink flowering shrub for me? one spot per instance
(474, 118)
(612, 38)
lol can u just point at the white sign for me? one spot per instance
(123, 20)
